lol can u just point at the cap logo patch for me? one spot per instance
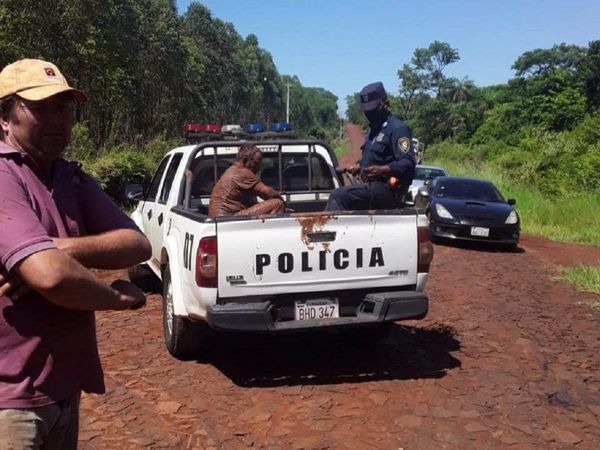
(50, 71)
(404, 144)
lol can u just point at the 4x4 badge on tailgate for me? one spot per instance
(235, 279)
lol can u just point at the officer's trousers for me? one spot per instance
(357, 197)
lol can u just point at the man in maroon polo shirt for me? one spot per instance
(55, 223)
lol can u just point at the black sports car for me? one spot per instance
(469, 209)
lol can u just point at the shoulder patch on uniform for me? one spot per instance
(404, 144)
(379, 137)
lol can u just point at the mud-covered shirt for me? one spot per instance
(233, 192)
(47, 352)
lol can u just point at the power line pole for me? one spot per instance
(287, 105)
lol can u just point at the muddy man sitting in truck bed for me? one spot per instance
(236, 191)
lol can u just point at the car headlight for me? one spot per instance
(443, 212)
(512, 218)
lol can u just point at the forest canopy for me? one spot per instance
(147, 70)
(540, 129)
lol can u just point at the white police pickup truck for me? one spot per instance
(295, 271)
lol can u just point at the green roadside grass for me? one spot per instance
(572, 219)
(585, 278)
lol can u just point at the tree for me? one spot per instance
(267, 92)
(424, 76)
(412, 85)
(426, 95)
(146, 70)
(555, 101)
(431, 62)
(353, 113)
(592, 81)
(544, 61)
(460, 91)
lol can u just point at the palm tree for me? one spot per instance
(460, 91)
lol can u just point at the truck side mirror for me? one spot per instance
(134, 192)
(511, 201)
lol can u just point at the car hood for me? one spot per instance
(473, 212)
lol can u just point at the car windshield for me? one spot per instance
(468, 190)
(422, 173)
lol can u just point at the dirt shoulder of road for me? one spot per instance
(560, 253)
(507, 358)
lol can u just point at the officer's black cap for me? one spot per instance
(371, 95)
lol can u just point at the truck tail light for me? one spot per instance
(425, 249)
(206, 262)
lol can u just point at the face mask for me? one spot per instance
(376, 117)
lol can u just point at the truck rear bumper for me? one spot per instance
(375, 308)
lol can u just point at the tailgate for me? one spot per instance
(323, 252)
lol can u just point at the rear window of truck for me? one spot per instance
(294, 175)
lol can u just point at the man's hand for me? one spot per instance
(373, 172)
(354, 170)
(132, 297)
(12, 286)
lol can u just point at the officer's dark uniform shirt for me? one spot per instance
(391, 146)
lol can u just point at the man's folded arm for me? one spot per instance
(111, 250)
(65, 282)
(112, 240)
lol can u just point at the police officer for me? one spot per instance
(388, 161)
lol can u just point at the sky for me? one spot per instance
(342, 45)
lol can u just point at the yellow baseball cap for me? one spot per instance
(35, 80)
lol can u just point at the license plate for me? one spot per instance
(480, 231)
(317, 309)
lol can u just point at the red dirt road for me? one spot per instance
(507, 358)
(355, 135)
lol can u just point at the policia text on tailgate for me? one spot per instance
(324, 259)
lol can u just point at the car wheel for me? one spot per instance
(433, 238)
(183, 338)
(142, 276)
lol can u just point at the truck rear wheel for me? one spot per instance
(183, 338)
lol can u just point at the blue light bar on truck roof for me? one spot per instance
(280, 126)
(254, 128)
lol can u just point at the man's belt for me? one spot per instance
(381, 179)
